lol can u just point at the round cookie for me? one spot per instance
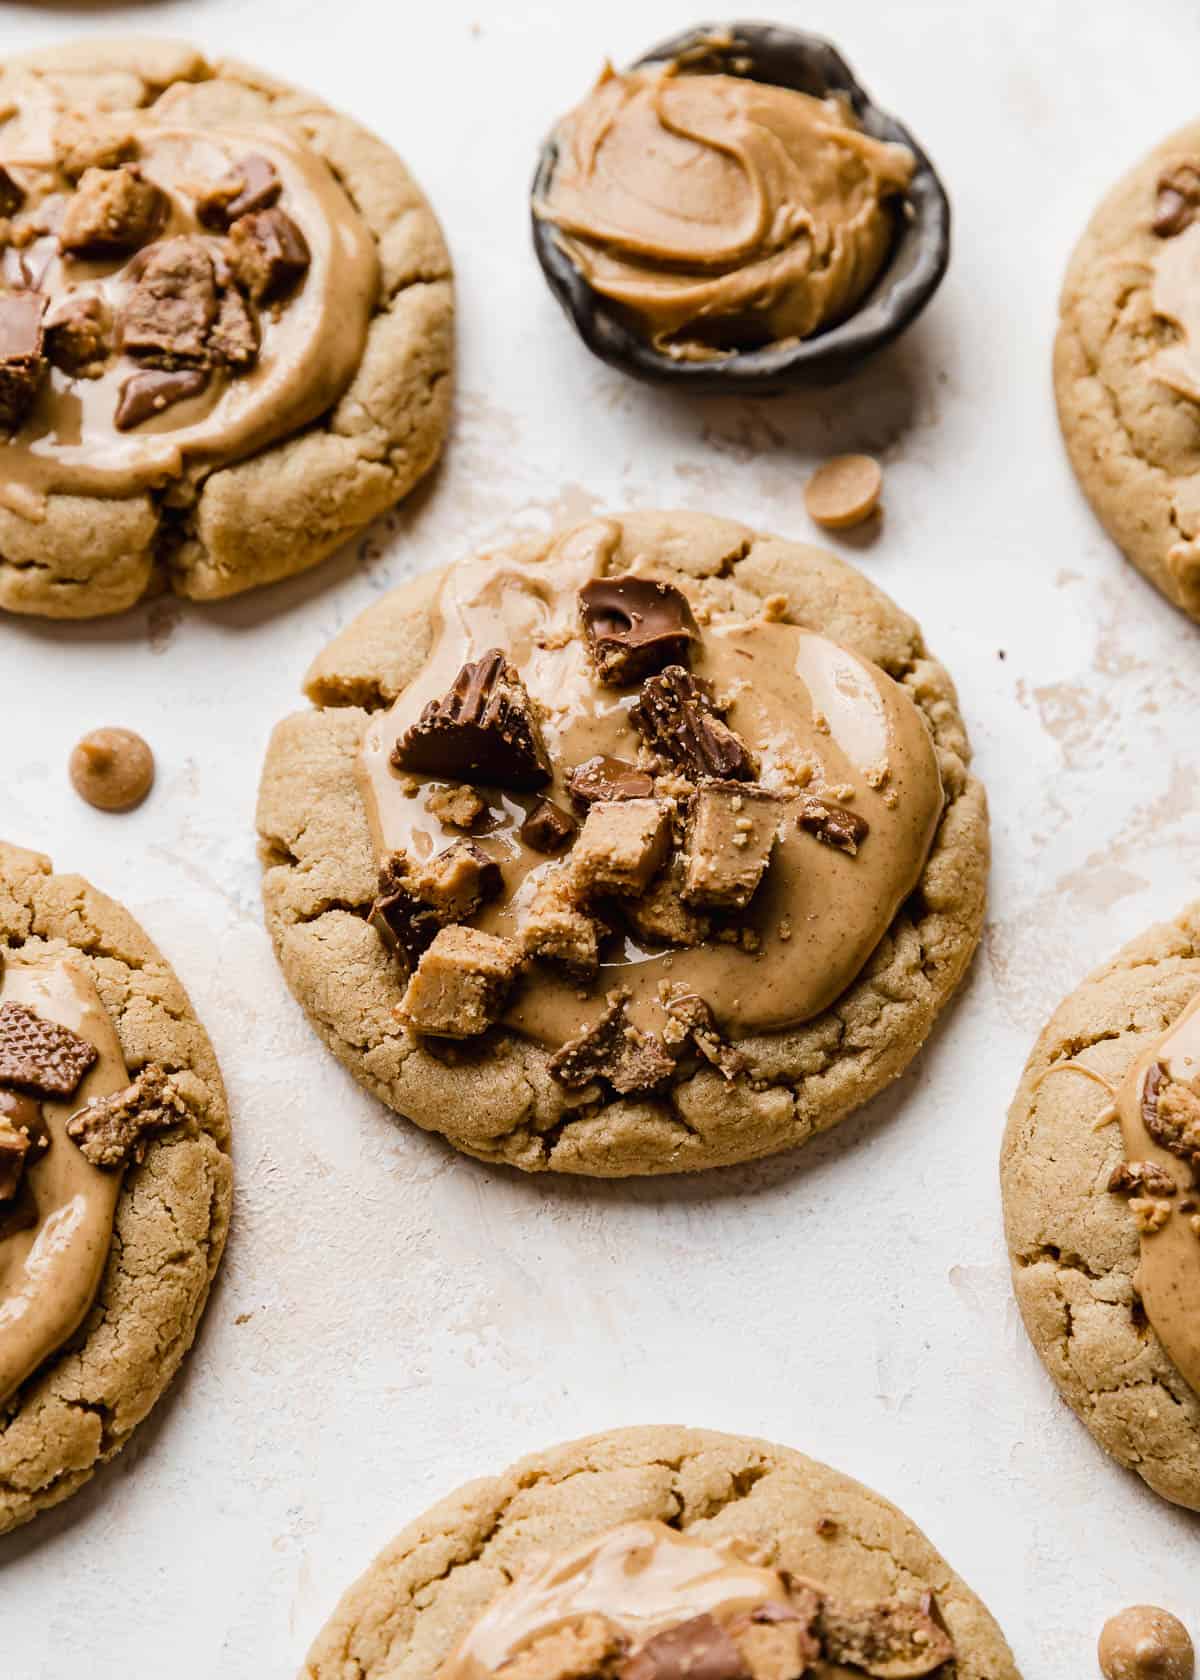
(268, 509)
(80, 1406)
(422, 1593)
(1074, 1244)
(498, 1099)
(1127, 367)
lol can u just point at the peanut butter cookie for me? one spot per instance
(643, 847)
(652, 1554)
(226, 323)
(115, 1180)
(1101, 1180)
(1127, 366)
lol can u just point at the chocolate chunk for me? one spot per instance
(14, 1147)
(623, 846)
(777, 1641)
(732, 830)
(112, 210)
(547, 828)
(461, 984)
(1177, 199)
(146, 394)
(695, 1023)
(833, 824)
(635, 626)
(250, 185)
(21, 359)
(615, 1051)
(603, 777)
(12, 196)
(39, 1055)
(169, 316)
(679, 721)
(116, 1130)
(1171, 1114)
(1141, 1178)
(483, 729)
(892, 1640)
(419, 897)
(270, 253)
(235, 338)
(77, 333)
(698, 1649)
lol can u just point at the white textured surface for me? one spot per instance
(392, 1319)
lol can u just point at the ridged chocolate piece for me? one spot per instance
(603, 777)
(635, 626)
(39, 1055)
(678, 720)
(833, 824)
(482, 730)
(614, 1051)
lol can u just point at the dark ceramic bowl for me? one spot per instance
(913, 271)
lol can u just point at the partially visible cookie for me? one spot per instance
(1092, 1219)
(765, 1503)
(1127, 366)
(113, 1122)
(647, 846)
(226, 327)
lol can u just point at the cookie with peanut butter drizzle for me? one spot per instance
(614, 830)
(662, 1554)
(1101, 1177)
(204, 281)
(113, 1133)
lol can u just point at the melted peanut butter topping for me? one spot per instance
(49, 1274)
(311, 341)
(1168, 1274)
(820, 720)
(721, 212)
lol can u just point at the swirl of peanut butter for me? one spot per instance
(50, 1272)
(722, 213)
(311, 340)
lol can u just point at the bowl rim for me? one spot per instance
(893, 301)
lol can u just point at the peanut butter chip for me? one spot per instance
(844, 491)
(1145, 1643)
(113, 769)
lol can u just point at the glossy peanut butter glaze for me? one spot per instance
(1168, 1274)
(312, 341)
(722, 212)
(818, 718)
(50, 1273)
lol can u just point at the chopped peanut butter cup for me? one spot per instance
(484, 729)
(635, 626)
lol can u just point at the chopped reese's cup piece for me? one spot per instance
(776, 1641)
(416, 898)
(1141, 1178)
(12, 194)
(623, 845)
(615, 1051)
(15, 1144)
(587, 1648)
(460, 985)
(153, 391)
(731, 834)
(892, 1640)
(22, 362)
(660, 916)
(482, 729)
(834, 824)
(603, 777)
(235, 336)
(40, 1055)
(693, 1020)
(634, 626)
(170, 314)
(252, 184)
(547, 828)
(114, 1131)
(1171, 1113)
(111, 210)
(270, 253)
(558, 931)
(698, 1649)
(77, 333)
(678, 719)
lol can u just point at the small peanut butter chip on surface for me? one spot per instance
(1145, 1643)
(844, 491)
(113, 769)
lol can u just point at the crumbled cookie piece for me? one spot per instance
(834, 824)
(660, 916)
(692, 1021)
(460, 984)
(1150, 1213)
(39, 1055)
(154, 390)
(235, 337)
(77, 334)
(893, 1640)
(252, 184)
(557, 930)
(483, 729)
(604, 777)
(679, 719)
(613, 1050)
(12, 194)
(1177, 199)
(622, 846)
(1142, 1178)
(270, 254)
(698, 1649)
(456, 805)
(22, 361)
(634, 626)
(1171, 1113)
(170, 314)
(92, 140)
(111, 210)
(588, 1648)
(113, 1132)
(731, 834)
(547, 828)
